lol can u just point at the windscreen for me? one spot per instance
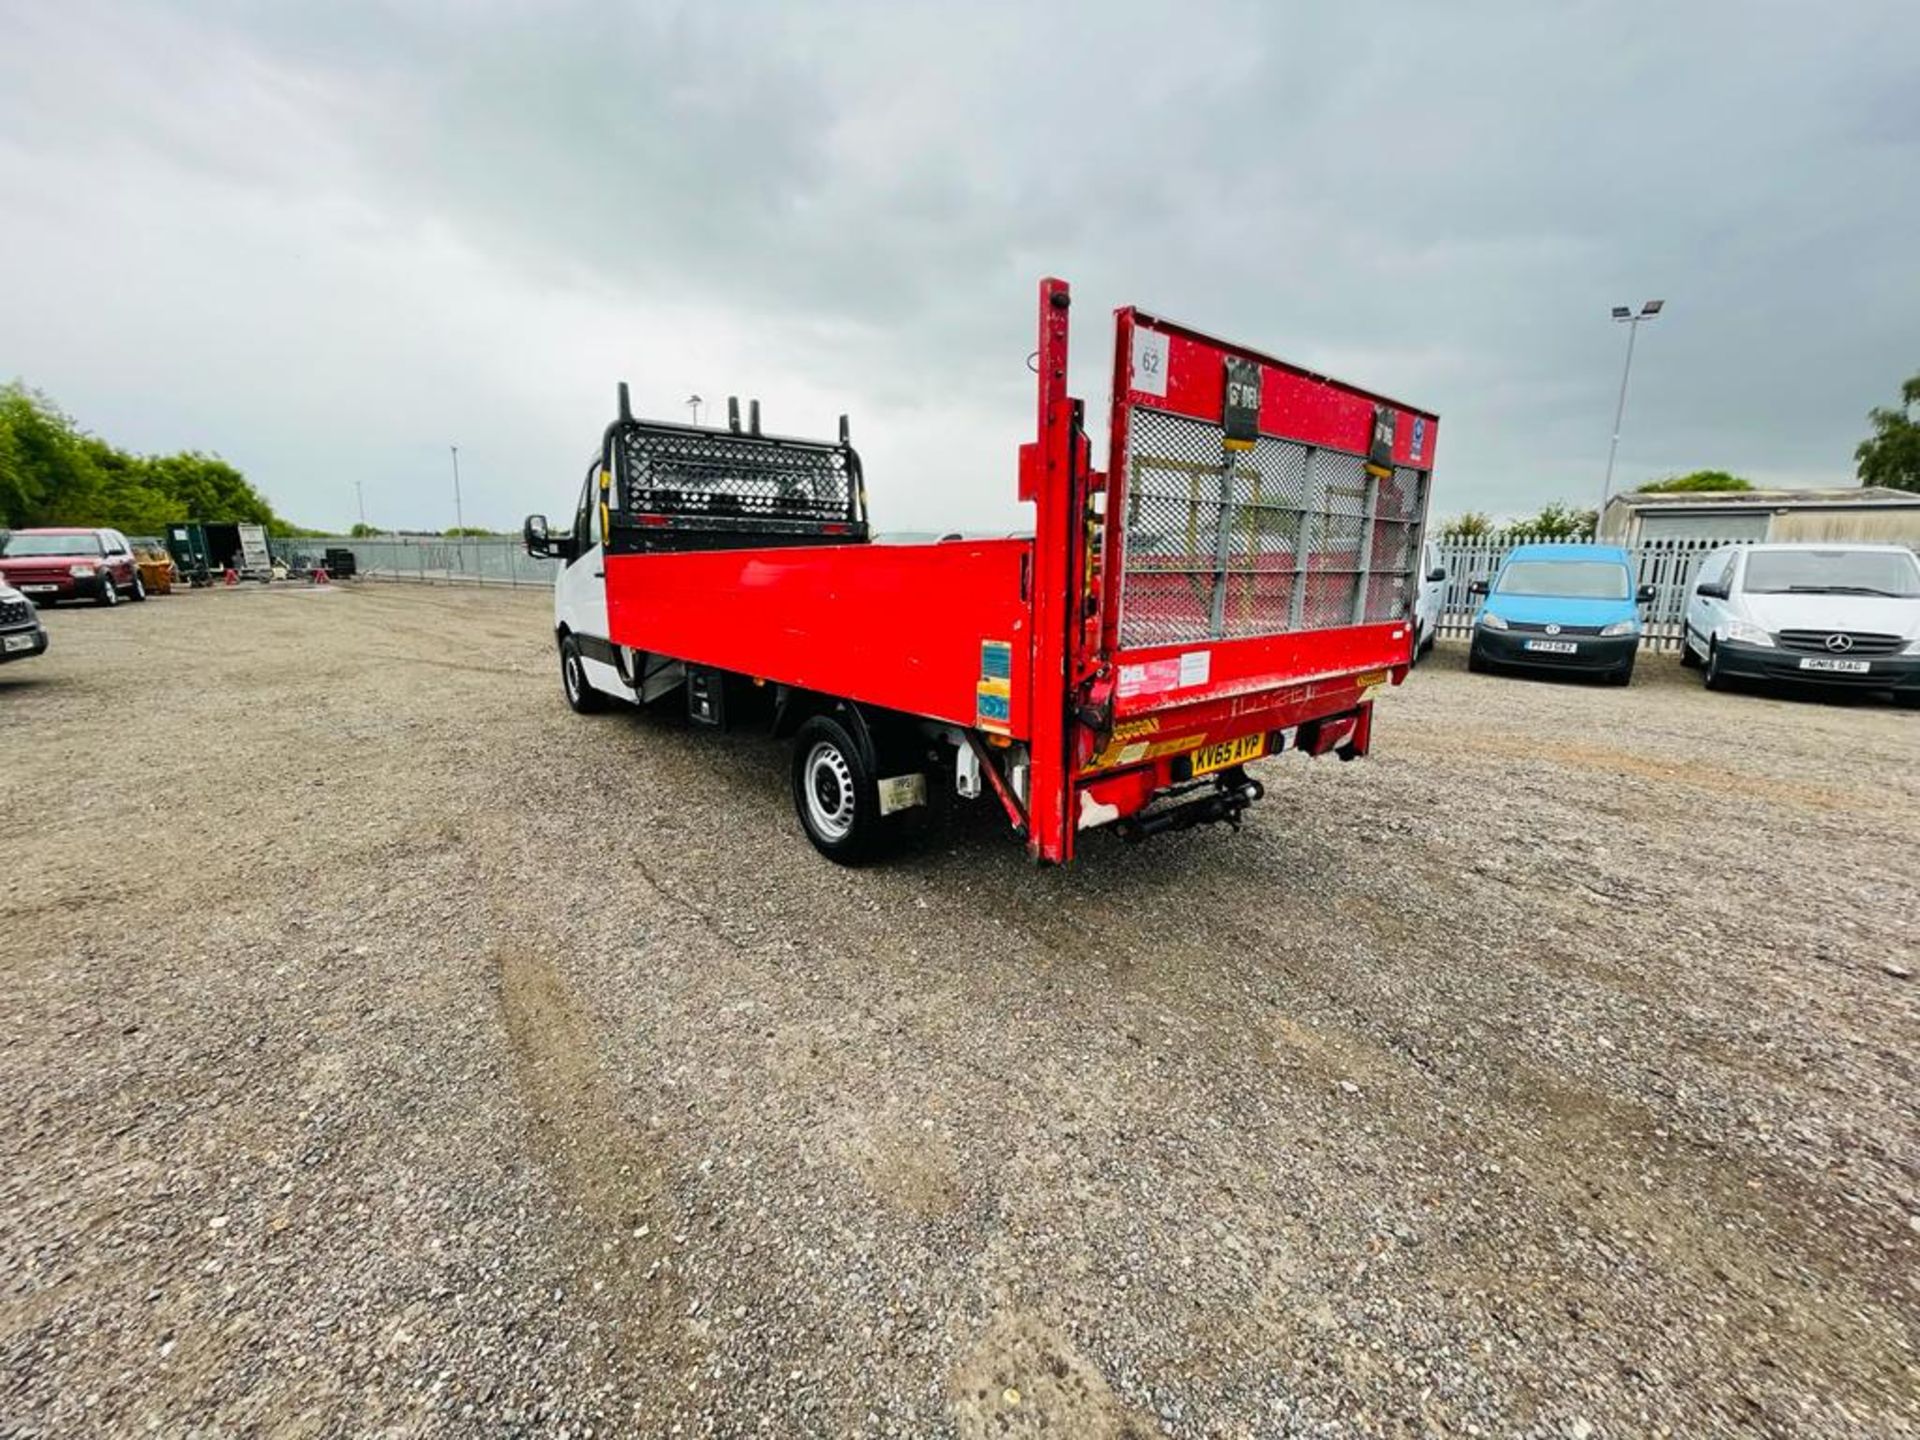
(1565, 579)
(1832, 572)
(18, 546)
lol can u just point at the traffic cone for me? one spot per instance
(319, 576)
(232, 576)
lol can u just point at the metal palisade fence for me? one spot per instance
(1667, 565)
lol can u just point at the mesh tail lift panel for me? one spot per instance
(1305, 521)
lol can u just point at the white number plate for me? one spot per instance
(1551, 647)
(1837, 667)
(17, 642)
(37, 589)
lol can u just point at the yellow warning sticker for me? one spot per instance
(993, 706)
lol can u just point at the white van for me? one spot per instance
(1828, 614)
(1428, 600)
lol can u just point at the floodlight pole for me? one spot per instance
(360, 493)
(1632, 322)
(459, 523)
(694, 402)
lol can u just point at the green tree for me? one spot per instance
(1891, 455)
(1697, 482)
(54, 473)
(50, 476)
(1556, 522)
(363, 531)
(1471, 525)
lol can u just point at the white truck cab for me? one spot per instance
(587, 666)
(1829, 614)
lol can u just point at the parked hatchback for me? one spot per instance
(71, 564)
(1563, 608)
(1807, 614)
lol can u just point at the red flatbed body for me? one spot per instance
(1236, 576)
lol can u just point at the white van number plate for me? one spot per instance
(1552, 647)
(1837, 667)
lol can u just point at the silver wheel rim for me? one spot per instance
(570, 671)
(829, 787)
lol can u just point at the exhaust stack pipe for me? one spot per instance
(753, 417)
(626, 405)
(733, 413)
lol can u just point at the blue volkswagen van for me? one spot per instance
(1566, 608)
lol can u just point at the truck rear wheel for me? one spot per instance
(834, 792)
(584, 699)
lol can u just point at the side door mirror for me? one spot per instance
(1646, 595)
(1710, 590)
(1436, 574)
(541, 543)
(1478, 587)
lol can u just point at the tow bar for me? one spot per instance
(1232, 793)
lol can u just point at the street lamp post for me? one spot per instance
(1623, 315)
(459, 523)
(694, 402)
(360, 493)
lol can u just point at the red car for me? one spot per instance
(71, 564)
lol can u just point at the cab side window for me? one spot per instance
(585, 525)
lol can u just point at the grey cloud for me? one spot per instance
(848, 203)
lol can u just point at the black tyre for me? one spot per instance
(1475, 661)
(1715, 678)
(109, 595)
(584, 699)
(1622, 676)
(834, 792)
(1688, 660)
(139, 591)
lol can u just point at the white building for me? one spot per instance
(1857, 512)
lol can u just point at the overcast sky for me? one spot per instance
(327, 246)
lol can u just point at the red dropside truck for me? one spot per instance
(1236, 582)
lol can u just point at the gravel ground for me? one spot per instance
(385, 1049)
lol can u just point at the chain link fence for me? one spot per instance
(427, 560)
